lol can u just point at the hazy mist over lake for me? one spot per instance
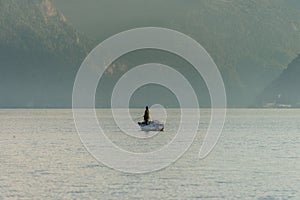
(43, 44)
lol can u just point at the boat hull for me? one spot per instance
(152, 126)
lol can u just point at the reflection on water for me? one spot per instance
(257, 157)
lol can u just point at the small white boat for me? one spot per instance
(152, 126)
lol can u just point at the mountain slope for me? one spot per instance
(40, 53)
(37, 26)
(254, 39)
(284, 90)
(251, 41)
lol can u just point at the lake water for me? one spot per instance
(257, 157)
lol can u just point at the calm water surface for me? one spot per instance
(257, 157)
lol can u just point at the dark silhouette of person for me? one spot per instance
(147, 116)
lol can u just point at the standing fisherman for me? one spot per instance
(147, 116)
